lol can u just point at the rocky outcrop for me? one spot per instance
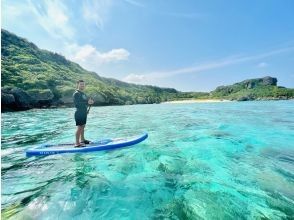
(265, 81)
(99, 99)
(247, 84)
(252, 89)
(7, 101)
(245, 98)
(270, 81)
(15, 99)
(42, 98)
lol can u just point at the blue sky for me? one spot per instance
(188, 45)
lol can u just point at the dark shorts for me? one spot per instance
(81, 118)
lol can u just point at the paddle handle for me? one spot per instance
(89, 107)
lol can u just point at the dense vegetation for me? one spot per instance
(253, 89)
(37, 71)
(49, 77)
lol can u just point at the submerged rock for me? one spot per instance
(171, 165)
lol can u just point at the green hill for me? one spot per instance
(32, 77)
(48, 77)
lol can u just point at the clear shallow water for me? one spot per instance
(201, 161)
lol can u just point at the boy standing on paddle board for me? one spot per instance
(81, 102)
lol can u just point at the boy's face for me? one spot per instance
(81, 86)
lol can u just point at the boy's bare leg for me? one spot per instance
(78, 134)
(83, 133)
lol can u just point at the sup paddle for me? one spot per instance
(90, 106)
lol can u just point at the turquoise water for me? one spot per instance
(230, 160)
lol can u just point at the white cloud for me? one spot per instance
(53, 17)
(262, 65)
(155, 75)
(135, 3)
(97, 11)
(185, 15)
(90, 58)
(15, 11)
(9, 10)
(114, 54)
(134, 78)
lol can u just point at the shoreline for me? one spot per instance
(185, 101)
(196, 101)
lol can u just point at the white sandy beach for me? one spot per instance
(197, 101)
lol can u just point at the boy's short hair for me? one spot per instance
(79, 81)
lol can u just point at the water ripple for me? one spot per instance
(201, 161)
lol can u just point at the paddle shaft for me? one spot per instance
(89, 109)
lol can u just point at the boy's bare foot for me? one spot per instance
(85, 142)
(80, 145)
